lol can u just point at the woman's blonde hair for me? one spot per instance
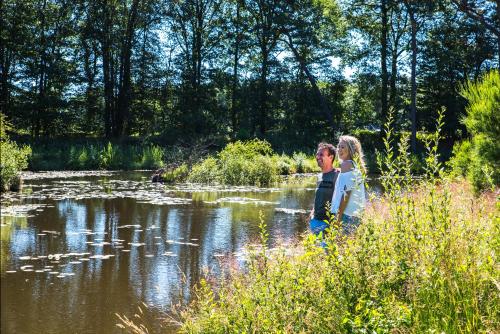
(355, 151)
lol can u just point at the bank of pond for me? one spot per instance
(252, 162)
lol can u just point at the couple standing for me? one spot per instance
(340, 190)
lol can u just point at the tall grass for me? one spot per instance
(96, 156)
(424, 260)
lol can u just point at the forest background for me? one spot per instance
(212, 71)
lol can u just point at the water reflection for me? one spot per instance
(100, 245)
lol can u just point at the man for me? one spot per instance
(324, 190)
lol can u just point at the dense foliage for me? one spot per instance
(251, 163)
(13, 158)
(291, 72)
(424, 263)
(478, 158)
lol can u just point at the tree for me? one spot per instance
(313, 28)
(486, 12)
(197, 26)
(369, 20)
(266, 30)
(455, 50)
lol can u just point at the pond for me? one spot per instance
(76, 248)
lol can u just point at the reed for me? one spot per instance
(96, 155)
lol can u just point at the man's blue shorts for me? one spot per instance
(317, 226)
(349, 225)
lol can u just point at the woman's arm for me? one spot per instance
(343, 203)
(345, 167)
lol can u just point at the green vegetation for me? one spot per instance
(176, 174)
(96, 155)
(423, 261)
(225, 78)
(13, 158)
(478, 158)
(252, 162)
(420, 263)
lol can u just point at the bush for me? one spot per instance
(370, 140)
(206, 171)
(152, 157)
(478, 159)
(13, 158)
(304, 164)
(285, 165)
(176, 174)
(461, 161)
(252, 162)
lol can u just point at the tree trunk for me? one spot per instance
(394, 73)
(236, 58)
(41, 98)
(263, 91)
(5, 91)
(5, 67)
(197, 63)
(303, 66)
(124, 95)
(383, 60)
(413, 105)
(107, 69)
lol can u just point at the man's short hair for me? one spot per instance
(329, 147)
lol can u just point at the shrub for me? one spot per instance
(462, 159)
(483, 123)
(176, 174)
(152, 157)
(206, 171)
(304, 164)
(13, 158)
(252, 162)
(370, 140)
(285, 164)
(109, 157)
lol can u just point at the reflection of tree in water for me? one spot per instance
(9, 225)
(224, 225)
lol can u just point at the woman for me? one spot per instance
(348, 201)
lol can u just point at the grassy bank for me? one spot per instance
(424, 264)
(424, 260)
(96, 155)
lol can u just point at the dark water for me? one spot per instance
(77, 249)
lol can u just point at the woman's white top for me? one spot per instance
(350, 181)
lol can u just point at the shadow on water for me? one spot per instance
(76, 249)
